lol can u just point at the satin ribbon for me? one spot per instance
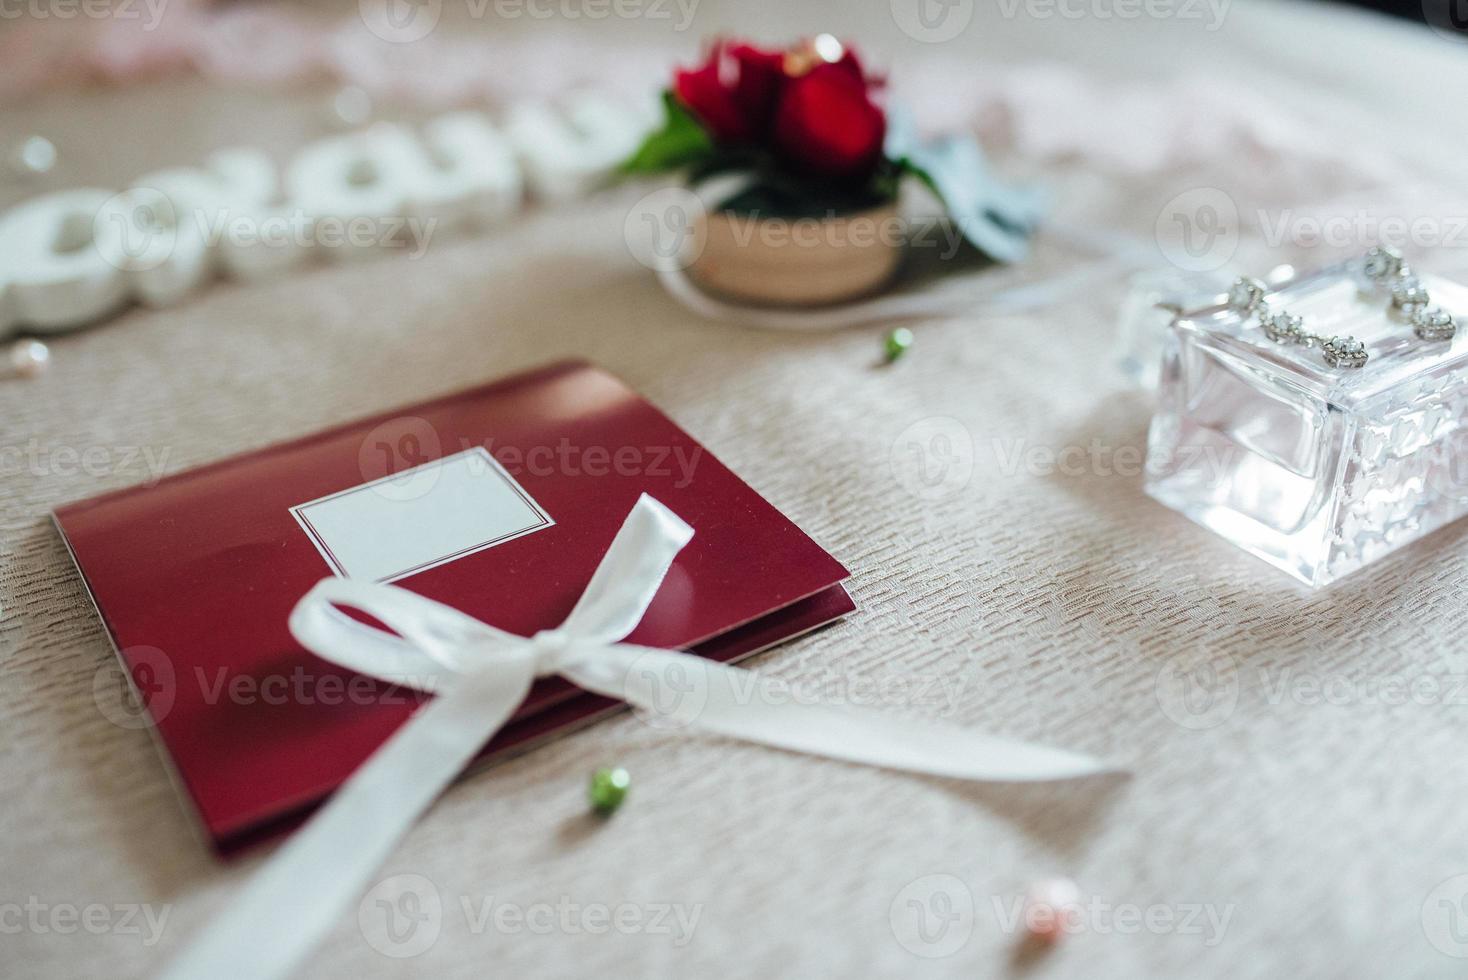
(481, 675)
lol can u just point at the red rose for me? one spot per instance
(811, 105)
(733, 93)
(827, 124)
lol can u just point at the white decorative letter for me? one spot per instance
(52, 278)
(568, 154)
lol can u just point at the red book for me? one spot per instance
(499, 501)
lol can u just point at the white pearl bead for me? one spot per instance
(1051, 906)
(352, 105)
(34, 156)
(28, 358)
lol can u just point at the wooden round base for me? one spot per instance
(798, 261)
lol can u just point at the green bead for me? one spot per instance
(608, 789)
(897, 343)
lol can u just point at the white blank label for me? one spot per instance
(420, 518)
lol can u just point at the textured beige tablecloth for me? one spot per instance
(1039, 605)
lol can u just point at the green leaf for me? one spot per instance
(681, 142)
(906, 166)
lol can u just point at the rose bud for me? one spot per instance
(826, 123)
(733, 93)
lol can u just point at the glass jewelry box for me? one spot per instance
(1318, 424)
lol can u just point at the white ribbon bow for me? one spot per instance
(482, 674)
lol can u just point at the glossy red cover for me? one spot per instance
(195, 576)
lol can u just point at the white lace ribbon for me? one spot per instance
(481, 675)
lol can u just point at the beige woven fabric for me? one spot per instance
(1039, 605)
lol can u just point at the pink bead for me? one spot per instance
(1052, 908)
(28, 358)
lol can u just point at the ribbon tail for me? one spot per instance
(629, 574)
(678, 689)
(303, 889)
